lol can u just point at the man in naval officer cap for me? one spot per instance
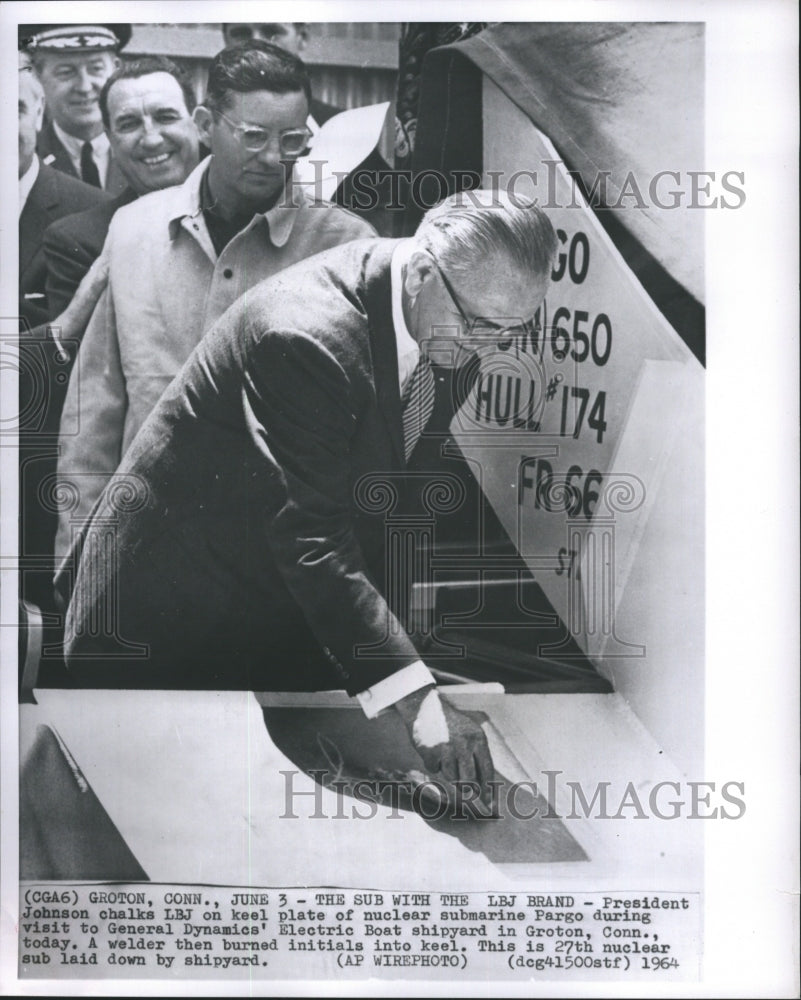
(73, 61)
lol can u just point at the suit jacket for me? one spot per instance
(72, 245)
(244, 548)
(52, 196)
(52, 152)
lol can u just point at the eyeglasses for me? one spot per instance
(478, 325)
(291, 142)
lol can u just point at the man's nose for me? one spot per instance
(271, 154)
(151, 133)
(84, 81)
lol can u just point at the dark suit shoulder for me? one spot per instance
(71, 246)
(86, 229)
(53, 187)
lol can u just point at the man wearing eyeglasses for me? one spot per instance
(178, 258)
(373, 173)
(245, 551)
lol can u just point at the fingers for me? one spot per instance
(460, 757)
(466, 765)
(450, 767)
(485, 773)
(466, 769)
(485, 769)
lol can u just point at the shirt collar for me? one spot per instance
(408, 349)
(73, 145)
(27, 181)
(280, 218)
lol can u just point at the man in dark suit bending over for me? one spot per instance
(232, 549)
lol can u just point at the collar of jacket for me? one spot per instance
(280, 218)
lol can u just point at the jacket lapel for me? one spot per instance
(52, 153)
(383, 344)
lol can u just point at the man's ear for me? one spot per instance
(204, 121)
(419, 270)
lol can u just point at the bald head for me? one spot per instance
(468, 227)
(478, 271)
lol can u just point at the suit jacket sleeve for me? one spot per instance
(92, 422)
(67, 263)
(302, 410)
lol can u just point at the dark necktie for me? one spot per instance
(418, 404)
(89, 172)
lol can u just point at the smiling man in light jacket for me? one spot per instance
(178, 258)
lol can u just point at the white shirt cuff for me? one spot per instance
(391, 689)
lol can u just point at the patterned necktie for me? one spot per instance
(418, 404)
(89, 172)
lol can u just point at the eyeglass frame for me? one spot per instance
(238, 128)
(468, 323)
